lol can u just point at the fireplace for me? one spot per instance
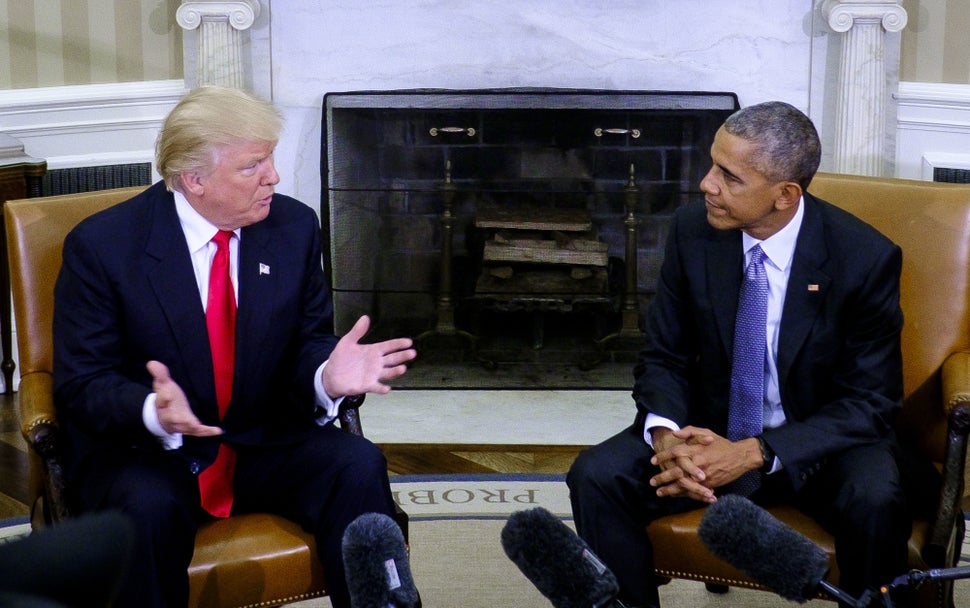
(516, 234)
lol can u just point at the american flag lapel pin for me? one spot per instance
(263, 269)
(813, 286)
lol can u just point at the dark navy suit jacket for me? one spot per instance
(127, 294)
(839, 360)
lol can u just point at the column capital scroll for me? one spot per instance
(841, 15)
(240, 13)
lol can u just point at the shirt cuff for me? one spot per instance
(327, 408)
(149, 415)
(654, 421)
(775, 466)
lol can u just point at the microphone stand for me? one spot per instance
(916, 578)
(913, 578)
(844, 597)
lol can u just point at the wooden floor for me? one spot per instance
(13, 462)
(403, 459)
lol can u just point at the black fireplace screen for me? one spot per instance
(515, 234)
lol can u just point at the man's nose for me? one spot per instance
(272, 177)
(707, 184)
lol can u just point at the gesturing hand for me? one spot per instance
(174, 413)
(355, 368)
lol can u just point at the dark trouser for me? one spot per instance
(323, 483)
(80, 562)
(857, 496)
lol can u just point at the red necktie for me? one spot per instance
(215, 482)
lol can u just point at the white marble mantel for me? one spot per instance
(761, 49)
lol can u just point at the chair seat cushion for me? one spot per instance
(254, 559)
(692, 560)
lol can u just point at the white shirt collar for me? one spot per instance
(198, 230)
(779, 248)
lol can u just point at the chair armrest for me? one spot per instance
(38, 424)
(350, 415)
(939, 548)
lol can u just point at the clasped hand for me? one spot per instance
(694, 461)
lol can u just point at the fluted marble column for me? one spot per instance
(862, 108)
(220, 48)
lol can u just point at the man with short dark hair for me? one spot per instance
(772, 367)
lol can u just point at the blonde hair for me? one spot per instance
(206, 120)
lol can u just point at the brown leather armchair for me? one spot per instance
(931, 223)
(248, 560)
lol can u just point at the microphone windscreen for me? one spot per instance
(376, 564)
(557, 561)
(770, 552)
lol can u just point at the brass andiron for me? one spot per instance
(629, 306)
(445, 325)
(630, 309)
(446, 307)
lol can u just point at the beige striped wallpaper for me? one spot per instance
(64, 42)
(69, 42)
(936, 47)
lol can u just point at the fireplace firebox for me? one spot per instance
(516, 234)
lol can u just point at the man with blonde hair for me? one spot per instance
(196, 370)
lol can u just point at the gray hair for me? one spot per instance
(787, 144)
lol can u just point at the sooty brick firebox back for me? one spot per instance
(517, 234)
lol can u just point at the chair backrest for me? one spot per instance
(36, 228)
(930, 221)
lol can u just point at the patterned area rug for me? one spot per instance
(14, 528)
(429, 497)
(457, 558)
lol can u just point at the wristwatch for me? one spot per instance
(767, 455)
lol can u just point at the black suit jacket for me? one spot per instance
(127, 294)
(839, 360)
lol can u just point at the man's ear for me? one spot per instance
(192, 183)
(789, 195)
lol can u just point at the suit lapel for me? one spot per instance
(174, 286)
(724, 260)
(807, 287)
(258, 276)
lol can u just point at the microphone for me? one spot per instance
(770, 552)
(557, 561)
(376, 564)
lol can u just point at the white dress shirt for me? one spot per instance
(198, 235)
(779, 250)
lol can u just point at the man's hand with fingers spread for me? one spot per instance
(355, 368)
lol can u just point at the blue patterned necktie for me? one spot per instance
(748, 368)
